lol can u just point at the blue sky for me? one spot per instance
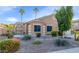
(10, 14)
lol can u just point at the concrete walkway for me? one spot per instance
(71, 50)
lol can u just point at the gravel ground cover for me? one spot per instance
(47, 45)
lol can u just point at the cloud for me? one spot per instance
(46, 11)
(75, 19)
(11, 19)
(4, 9)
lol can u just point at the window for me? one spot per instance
(49, 28)
(37, 28)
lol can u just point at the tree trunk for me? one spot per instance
(75, 36)
(60, 34)
(21, 25)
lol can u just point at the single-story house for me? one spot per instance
(3, 30)
(75, 25)
(43, 25)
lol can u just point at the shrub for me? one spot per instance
(10, 35)
(54, 33)
(60, 33)
(14, 33)
(65, 43)
(27, 37)
(38, 34)
(60, 42)
(9, 46)
(37, 42)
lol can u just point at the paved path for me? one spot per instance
(71, 50)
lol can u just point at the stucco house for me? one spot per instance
(3, 29)
(43, 25)
(75, 25)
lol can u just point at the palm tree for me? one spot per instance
(21, 11)
(36, 10)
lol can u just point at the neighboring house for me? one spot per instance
(75, 25)
(43, 25)
(18, 28)
(3, 29)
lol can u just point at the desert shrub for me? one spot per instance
(60, 33)
(60, 42)
(14, 33)
(37, 42)
(65, 43)
(10, 35)
(54, 33)
(27, 37)
(9, 46)
(38, 34)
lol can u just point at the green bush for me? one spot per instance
(60, 42)
(38, 34)
(9, 46)
(27, 37)
(37, 42)
(14, 33)
(54, 33)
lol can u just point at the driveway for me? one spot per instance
(71, 50)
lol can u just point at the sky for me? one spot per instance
(11, 15)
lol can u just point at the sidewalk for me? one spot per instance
(71, 50)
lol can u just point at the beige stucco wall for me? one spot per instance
(3, 31)
(19, 28)
(75, 25)
(25, 28)
(51, 20)
(28, 27)
(31, 28)
(44, 22)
